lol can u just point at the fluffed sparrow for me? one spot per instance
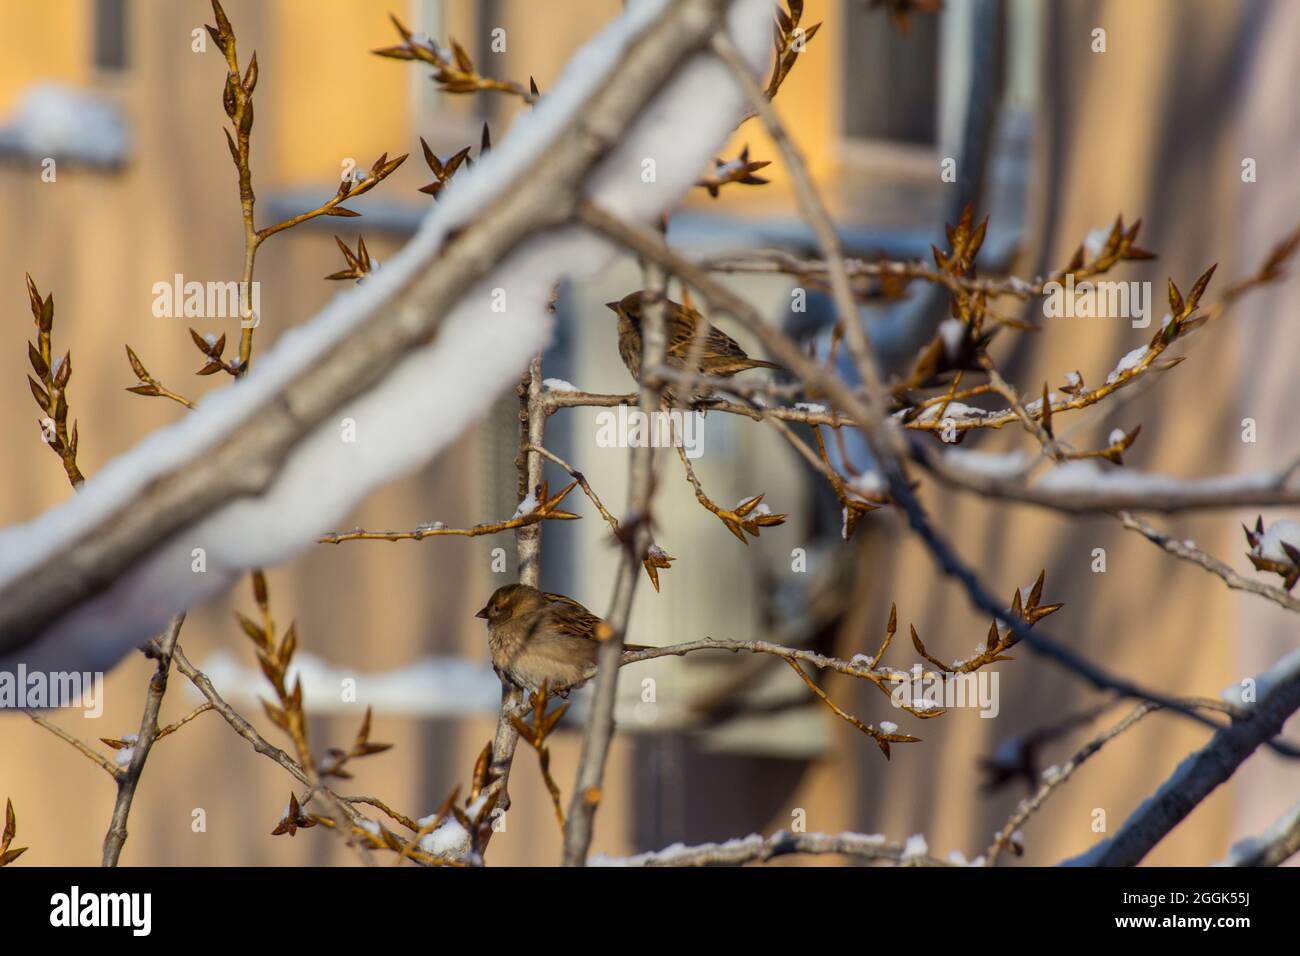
(536, 638)
(717, 355)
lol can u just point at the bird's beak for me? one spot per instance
(482, 613)
(613, 306)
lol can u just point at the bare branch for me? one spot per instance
(86, 750)
(1188, 551)
(1273, 847)
(1081, 490)
(636, 542)
(756, 849)
(547, 509)
(1028, 808)
(1199, 775)
(129, 780)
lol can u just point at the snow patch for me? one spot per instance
(1275, 535)
(450, 839)
(526, 507)
(915, 847)
(56, 121)
(1127, 364)
(1095, 242)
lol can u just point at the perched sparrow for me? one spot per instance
(718, 354)
(536, 637)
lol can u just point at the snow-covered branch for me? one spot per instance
(1079, 487)
(413, 356)
(1273, 847)
(758, 849)
(1188, 551)
(1278, 697)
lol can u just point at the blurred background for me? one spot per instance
(1053, 139)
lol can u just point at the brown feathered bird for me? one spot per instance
(536, 637)
(717, 355)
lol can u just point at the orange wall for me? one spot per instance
(46, 40)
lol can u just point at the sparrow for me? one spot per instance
(537, 638)
(717, 355)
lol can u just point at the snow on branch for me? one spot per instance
(1081, 486)
(757, 849)
(1277, 692)
(1273, 847)
(413, 356)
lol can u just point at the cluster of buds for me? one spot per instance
(51, 391)
(7, 855)
(1276, 549)
(453, 69)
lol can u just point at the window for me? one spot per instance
(891, 78)
(110, 35)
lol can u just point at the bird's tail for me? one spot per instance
(763, 363)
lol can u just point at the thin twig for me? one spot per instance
(1029, 807)
(547, 509)
(178, 724)
(757, 849)
(267, 749)
(1189, 552)
(636, 541)
(556, 400)
(813, 210)
(129, 780)
(1273, 847)
(581, 479)
(86, 750)
(881, 738)
(378, 804)
(1196, 777)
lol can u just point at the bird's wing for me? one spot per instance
(715, 344)
(570, 617)
(721, 344)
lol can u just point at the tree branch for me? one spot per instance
(248, 459)
(652, 246)
(636, 543)
(756, 849)
(129, 780)
(1189, 552)
(1273, 847)
(1198, 776)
